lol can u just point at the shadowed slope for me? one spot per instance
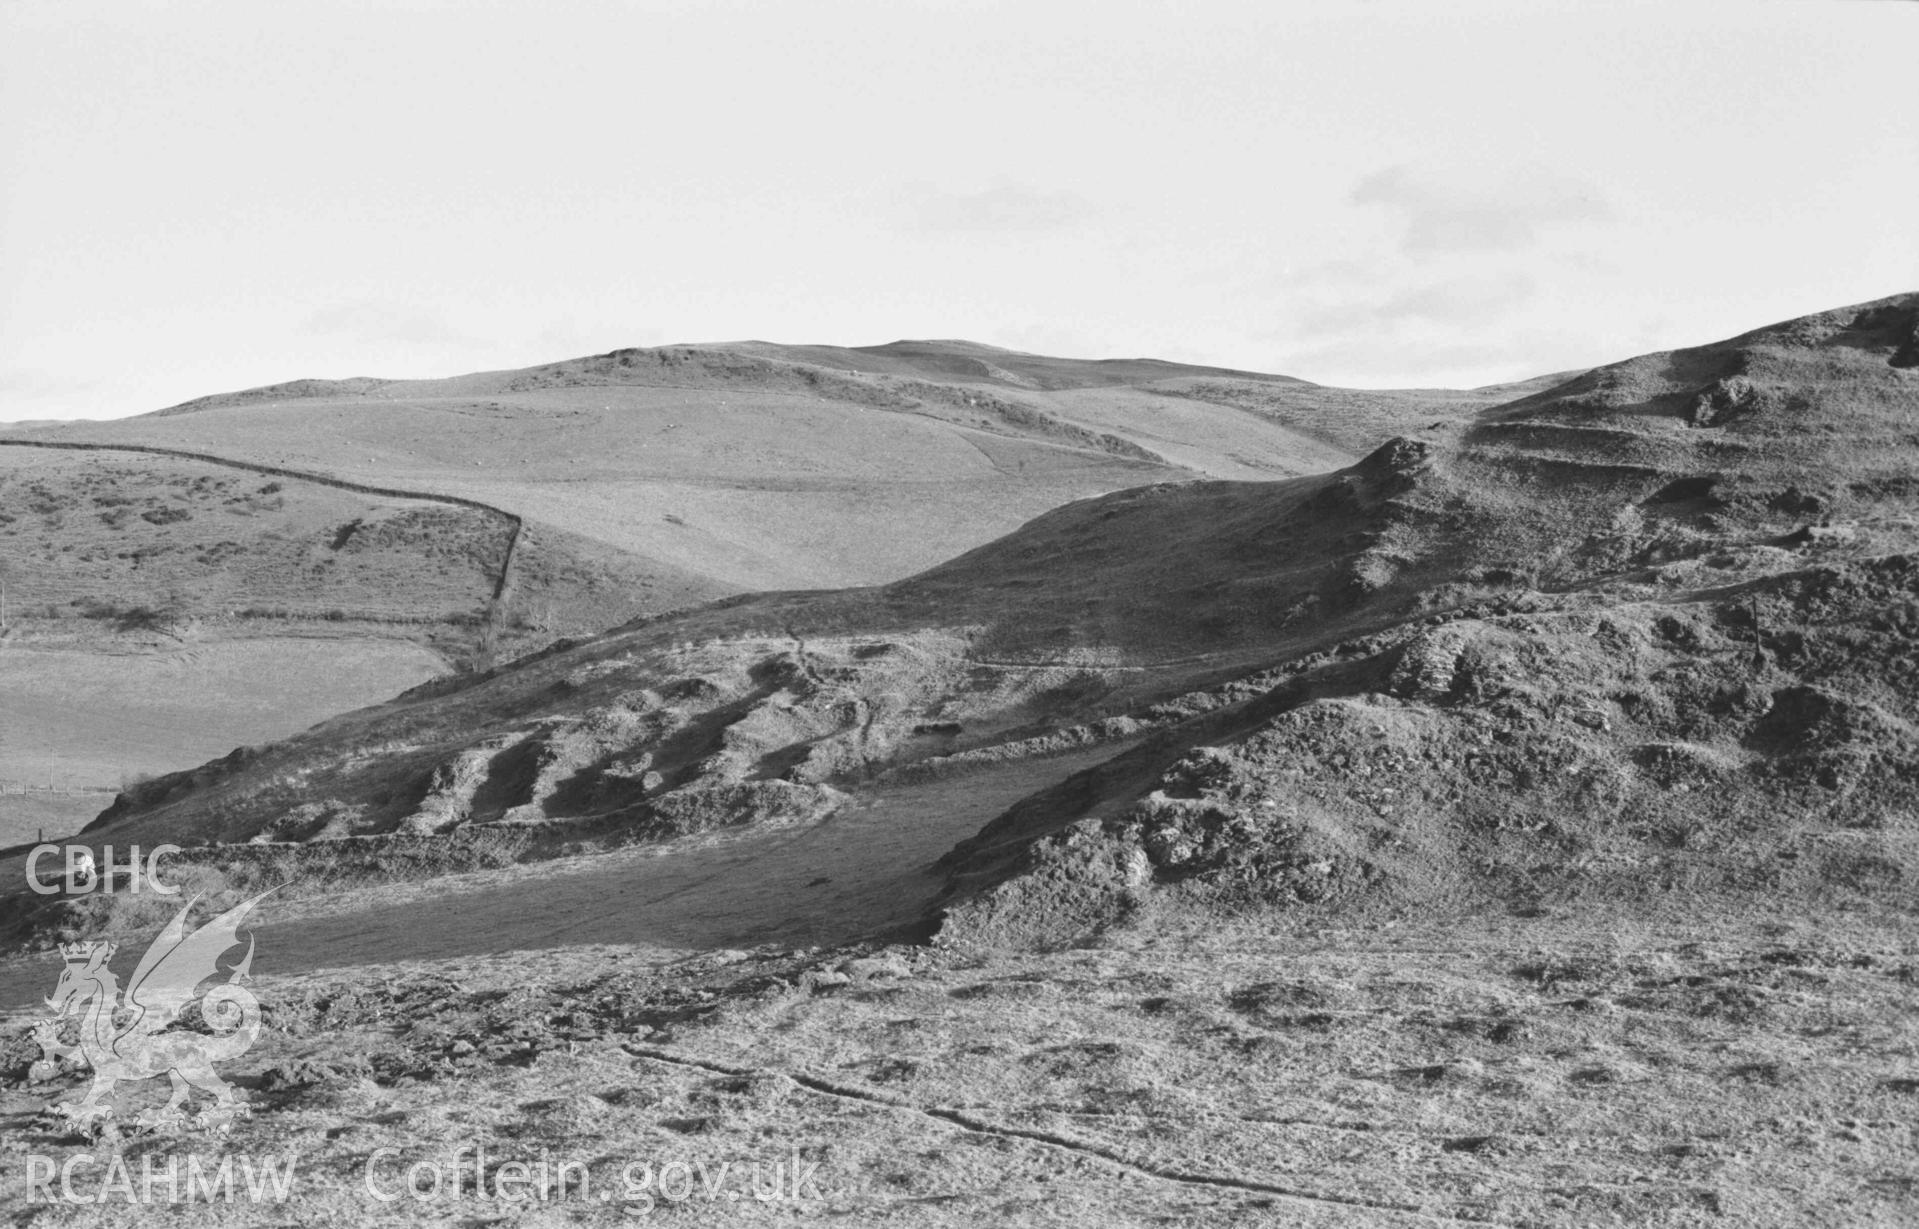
(1659, 649)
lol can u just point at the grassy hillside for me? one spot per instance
(482, 516)
(105, 535)
(1275, 623)
(761, 466)
(1515, 826)
(161, 610)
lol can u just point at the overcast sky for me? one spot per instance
(202, 197)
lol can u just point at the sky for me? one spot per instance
(199, 197)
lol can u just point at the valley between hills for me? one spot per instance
(1155, 792)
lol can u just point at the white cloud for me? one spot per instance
(1451, 212)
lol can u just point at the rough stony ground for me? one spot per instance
(1689, 1065)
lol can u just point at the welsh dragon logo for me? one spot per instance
(127, 1038)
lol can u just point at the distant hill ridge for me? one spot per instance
(949, 360)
